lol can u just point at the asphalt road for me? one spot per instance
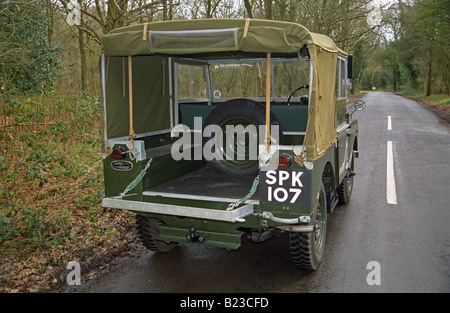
(409, 237)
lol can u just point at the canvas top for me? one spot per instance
(186, 37)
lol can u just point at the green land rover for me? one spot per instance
(219, 129)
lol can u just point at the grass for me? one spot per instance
(51, 187)
(434, 100)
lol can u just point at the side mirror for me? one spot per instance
(359, 106)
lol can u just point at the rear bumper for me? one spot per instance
(237, 215)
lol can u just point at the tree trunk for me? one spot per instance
(248, 8)
(429, 70)
(82, 51)
(49, 13)
(170, 16)
(116, 15)
(167, 10)
(268, 14)
(430, 54)
(208, 9)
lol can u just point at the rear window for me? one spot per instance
(248, 79)
(234, 80)
(191, 82)
(192, 40)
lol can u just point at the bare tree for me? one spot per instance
(81, 45)
(268, 9)
(249, 8)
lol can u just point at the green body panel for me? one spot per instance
(346, 144)
(190, 111)
(291, 118)
(116, 181)
(293, 211)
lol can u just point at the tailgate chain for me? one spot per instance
(136, 181)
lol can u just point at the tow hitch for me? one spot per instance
(193, 237)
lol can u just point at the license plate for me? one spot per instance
(285, 186)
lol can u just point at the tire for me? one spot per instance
(147, 230)
(307, 248)
(238, 112)
(345, 188)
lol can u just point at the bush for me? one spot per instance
(48, 159)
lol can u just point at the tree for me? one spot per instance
(248, 4)
(81, 45)
(27, 57)
(431, 23)
(268, 9)
(100, 17)
(417, 50)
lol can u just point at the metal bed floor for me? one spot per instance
(207, 182)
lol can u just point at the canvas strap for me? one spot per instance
(130, 101)
(246, 26)
(144, 31)
(268, 80)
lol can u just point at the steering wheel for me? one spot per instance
(292, 93)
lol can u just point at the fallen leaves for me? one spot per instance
(44, 269)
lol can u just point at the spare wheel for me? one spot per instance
(239, 154)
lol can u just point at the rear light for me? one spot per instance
(284, 160)
(119, 153)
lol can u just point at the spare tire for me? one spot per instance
(239, 153)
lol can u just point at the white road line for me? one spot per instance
(389, 127)
(391, 191)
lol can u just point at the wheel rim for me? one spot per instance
(320, 224)
(349, 178)
(349, 185)
(230, 149)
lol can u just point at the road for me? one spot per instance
(399, 219)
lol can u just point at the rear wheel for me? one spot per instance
(346, 186)
(148, 231)
(307, 248)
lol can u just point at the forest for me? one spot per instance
(55, 45)
(50, 120)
